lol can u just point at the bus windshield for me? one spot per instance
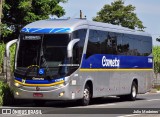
(48, 52)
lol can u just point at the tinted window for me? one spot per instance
(119, 43)
(93, 43)
(134, 45)
(103, 42)
(146, 45)
(112, 43)
(78, 48)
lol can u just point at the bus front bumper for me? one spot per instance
(41, 93)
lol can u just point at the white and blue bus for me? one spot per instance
(77, 59)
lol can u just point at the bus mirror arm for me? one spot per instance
(70, 47)
(8, 45)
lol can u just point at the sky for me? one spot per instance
(148, 11)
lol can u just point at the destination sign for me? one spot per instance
(32, 38)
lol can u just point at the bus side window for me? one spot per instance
(103, 41)
(78, 48)
(112, 43)
(120, 36)
(93, 46)
(76, 54)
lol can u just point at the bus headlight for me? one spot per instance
(60, 85)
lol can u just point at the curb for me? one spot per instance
(154, 91)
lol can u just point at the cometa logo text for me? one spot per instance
(110, 62)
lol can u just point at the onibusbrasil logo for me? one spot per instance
(110, 62)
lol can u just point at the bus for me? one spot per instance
(77, 59)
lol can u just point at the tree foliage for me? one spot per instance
(4, 30)
(17, 13)
(156, 54)
(158, 39)
(6, 94)
(2, 51)
(119, 14)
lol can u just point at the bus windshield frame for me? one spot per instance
(47, 52)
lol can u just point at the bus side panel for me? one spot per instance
(145, 82)
(125, 82)
(105, 83)
(114, 84)
(144, 79)
(102, 83)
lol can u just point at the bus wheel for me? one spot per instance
(132, 96)
(86, 96)
(39, 102)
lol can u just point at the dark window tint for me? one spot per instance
(134, 45)
(112, 43)
(103, 42)
(28, 53)
(78, 48)
(93, 43)
(57, 40)
(146, 45)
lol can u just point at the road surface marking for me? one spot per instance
(23, 114)
(153, 100)
(128, 115)
(90, 106)
(106, 105)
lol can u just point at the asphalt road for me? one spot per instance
(105, 107)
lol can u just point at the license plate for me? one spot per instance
(37, 95)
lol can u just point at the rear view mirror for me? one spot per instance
(70, 47)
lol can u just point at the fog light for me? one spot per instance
(17, 93)
(17, 85)
(61, 94)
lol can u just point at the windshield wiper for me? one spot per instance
(47, 68)
(29, 69)
(44, 62)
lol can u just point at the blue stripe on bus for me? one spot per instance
(40, 81)
(46, 30)
(128, 62)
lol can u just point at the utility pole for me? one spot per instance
(1, 1)
(0, 10)
(81, 14)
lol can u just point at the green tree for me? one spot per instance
(119, 14)
(17, 13)
(156, 54)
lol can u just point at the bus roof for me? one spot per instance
(69, 25)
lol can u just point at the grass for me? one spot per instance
(157, 87)
(2, 50)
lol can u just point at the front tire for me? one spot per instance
(86, 96)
